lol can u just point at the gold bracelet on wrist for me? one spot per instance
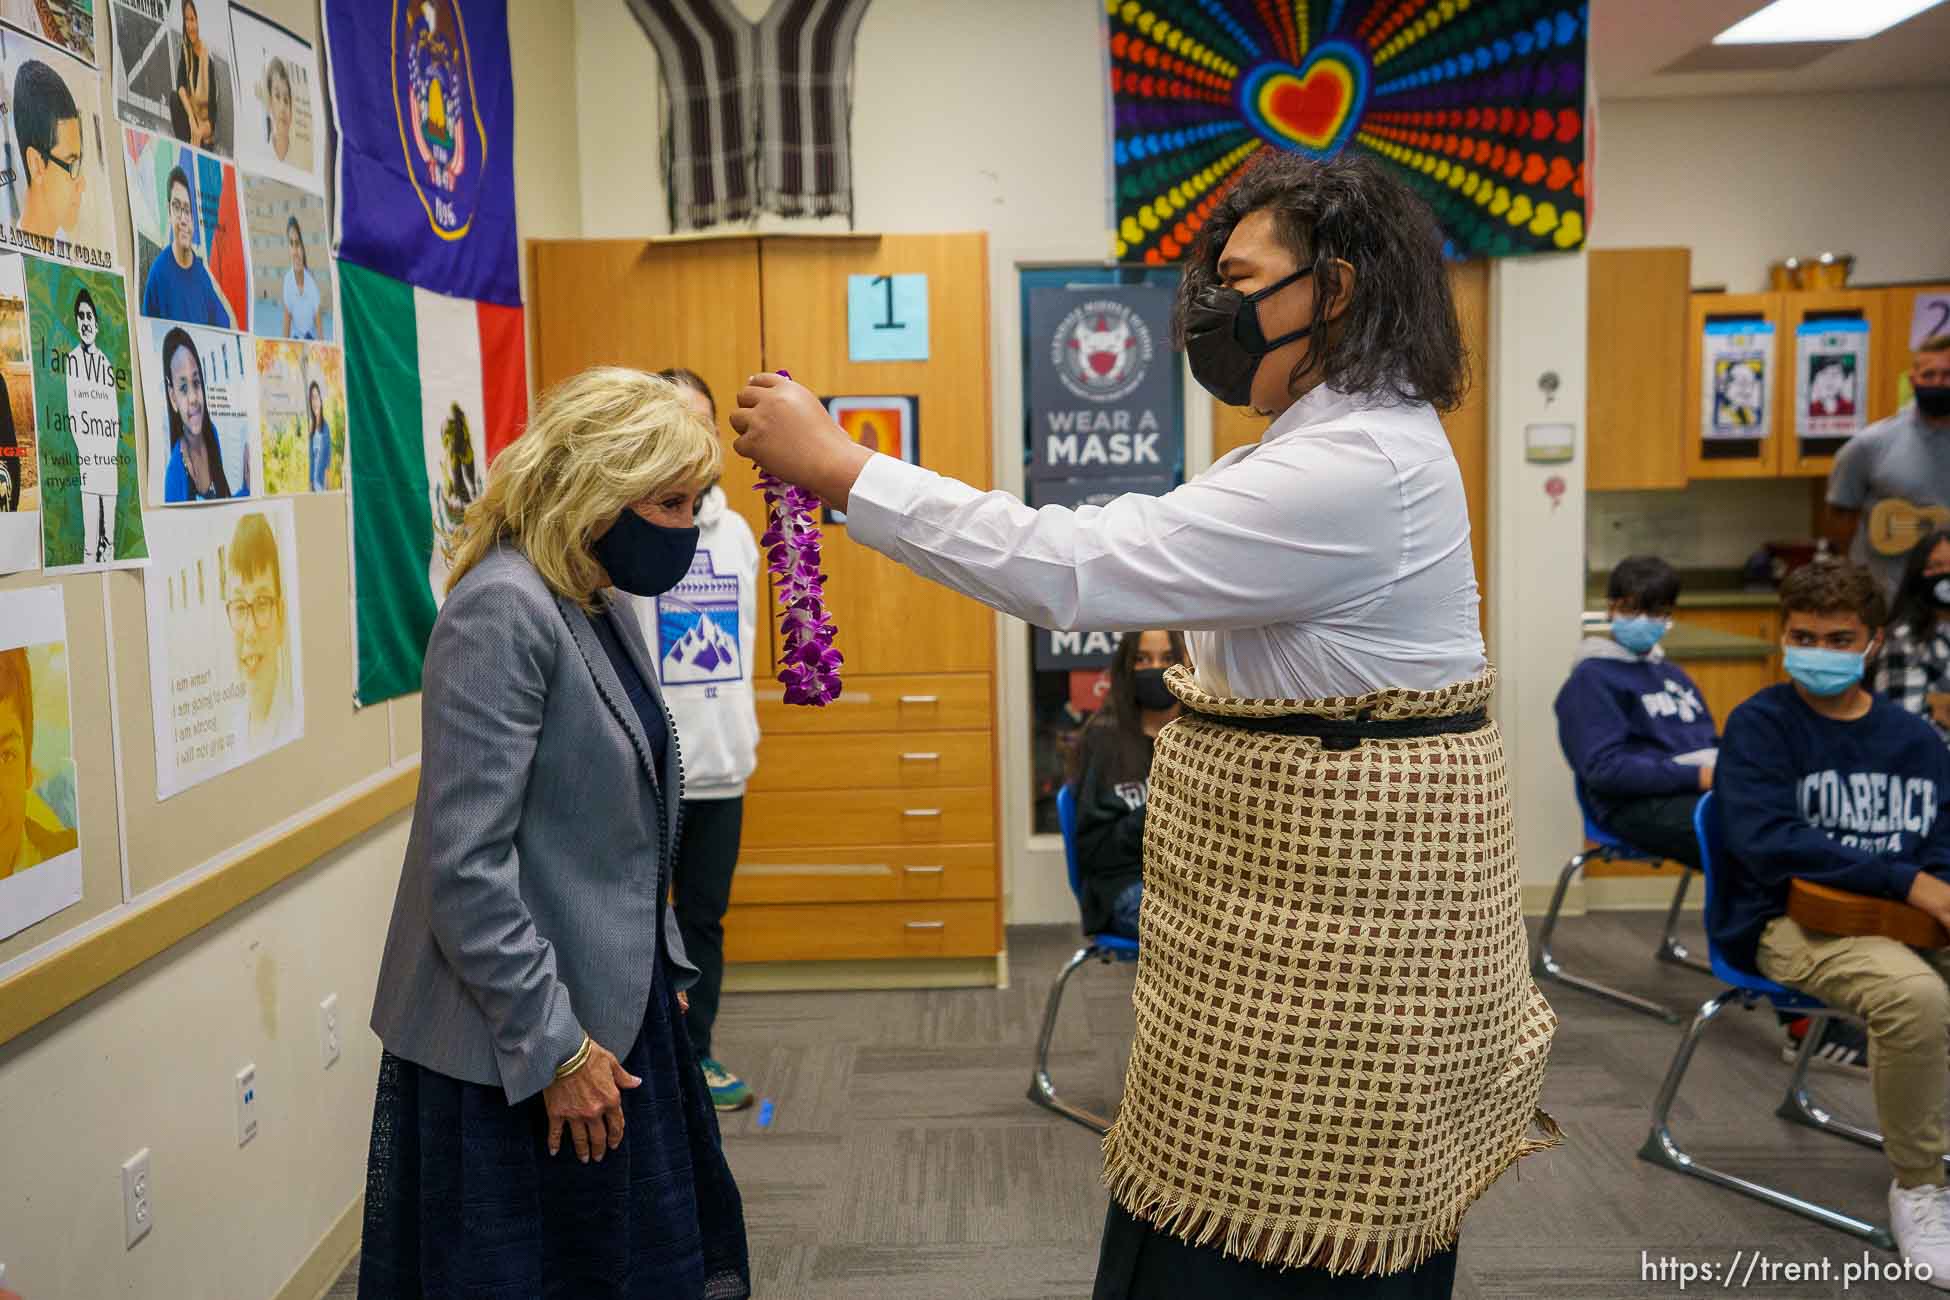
(577, 1061)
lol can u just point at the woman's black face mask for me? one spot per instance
(1224, 341)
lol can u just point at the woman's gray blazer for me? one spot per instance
(528, 903)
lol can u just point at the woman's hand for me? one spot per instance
(588, 1104)
(683, 1002)
(783, 427)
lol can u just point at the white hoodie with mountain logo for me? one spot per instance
(703, 632)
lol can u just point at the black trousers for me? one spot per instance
(1661, 825)
(1140, 1263)
(706, 858)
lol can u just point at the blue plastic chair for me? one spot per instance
(1750, 990)
(1607, 847)
(1106, 948)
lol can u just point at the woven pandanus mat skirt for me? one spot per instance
(1339, 1045)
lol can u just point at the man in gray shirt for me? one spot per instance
(1905, 456)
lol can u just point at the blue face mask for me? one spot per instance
(1823, 672)
(1639, 633)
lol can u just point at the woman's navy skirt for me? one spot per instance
(463, 1199)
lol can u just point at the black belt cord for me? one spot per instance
(1348, 733)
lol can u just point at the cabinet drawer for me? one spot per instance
(878, 874)
(870, 760)
(792, 820)
(917, 702)
(839, 931)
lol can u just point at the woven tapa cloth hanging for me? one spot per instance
(759, 115)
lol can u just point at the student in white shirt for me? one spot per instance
(704, 634)
(1324, 577)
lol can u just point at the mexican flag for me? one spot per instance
(438, 385)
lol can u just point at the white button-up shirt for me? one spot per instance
(1330, 558)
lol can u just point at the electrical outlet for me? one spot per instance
(246, 1104)
(328, 1030)
(138, 1199)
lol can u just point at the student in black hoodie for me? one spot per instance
(1111, 770)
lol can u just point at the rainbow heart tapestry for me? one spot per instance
(1479, 107)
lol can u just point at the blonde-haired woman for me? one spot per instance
(541, 1127)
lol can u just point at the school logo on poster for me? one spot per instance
(1102, 350)
(697, 627)
(433, 95)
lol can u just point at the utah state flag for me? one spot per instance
(424, 98)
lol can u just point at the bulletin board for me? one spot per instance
(155, 871)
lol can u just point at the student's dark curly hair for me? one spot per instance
(1834, 588)
(1398, 338)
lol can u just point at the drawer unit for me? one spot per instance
(842, 931)
(881, 873)
(800, 819)
(905, 703)
(874, 760)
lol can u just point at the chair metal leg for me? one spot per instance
(1671, 950)
(1661, 1148)
(1797, 1107)
(1545, 966)
(1041, 1090)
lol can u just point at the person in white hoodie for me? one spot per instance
(703, 631)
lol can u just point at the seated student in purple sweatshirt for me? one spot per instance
(1633, 725)
(1822, 780)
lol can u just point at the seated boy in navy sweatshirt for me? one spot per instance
(1637, 733)
(1819, 779)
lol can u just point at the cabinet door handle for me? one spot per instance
(920, 812)
(920, 758)
(927, 925)
(920, 699)
(925, 871)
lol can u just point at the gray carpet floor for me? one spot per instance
(903, 1160)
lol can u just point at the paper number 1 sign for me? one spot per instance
(887, 317)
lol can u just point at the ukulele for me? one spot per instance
(1896, 525)
(1836, 911)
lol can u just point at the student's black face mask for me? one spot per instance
(1932, 400)
(1224, 341)
(1153, 696)
(643, 558)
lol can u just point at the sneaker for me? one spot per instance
(1844, 1047)
(1919, 1218)
(728, 1091)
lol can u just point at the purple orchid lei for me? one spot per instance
(809, 667)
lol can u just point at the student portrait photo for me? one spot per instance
(31, 831)
(254, 601)
(178, 285)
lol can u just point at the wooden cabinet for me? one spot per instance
(871, 825)
(1635, 368)
(1892, 353)
(1725, 683)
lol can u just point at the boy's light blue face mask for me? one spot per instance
(1823, 672)
(1639, 632)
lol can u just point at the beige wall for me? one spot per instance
(1746, 181)
(149, 1061)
